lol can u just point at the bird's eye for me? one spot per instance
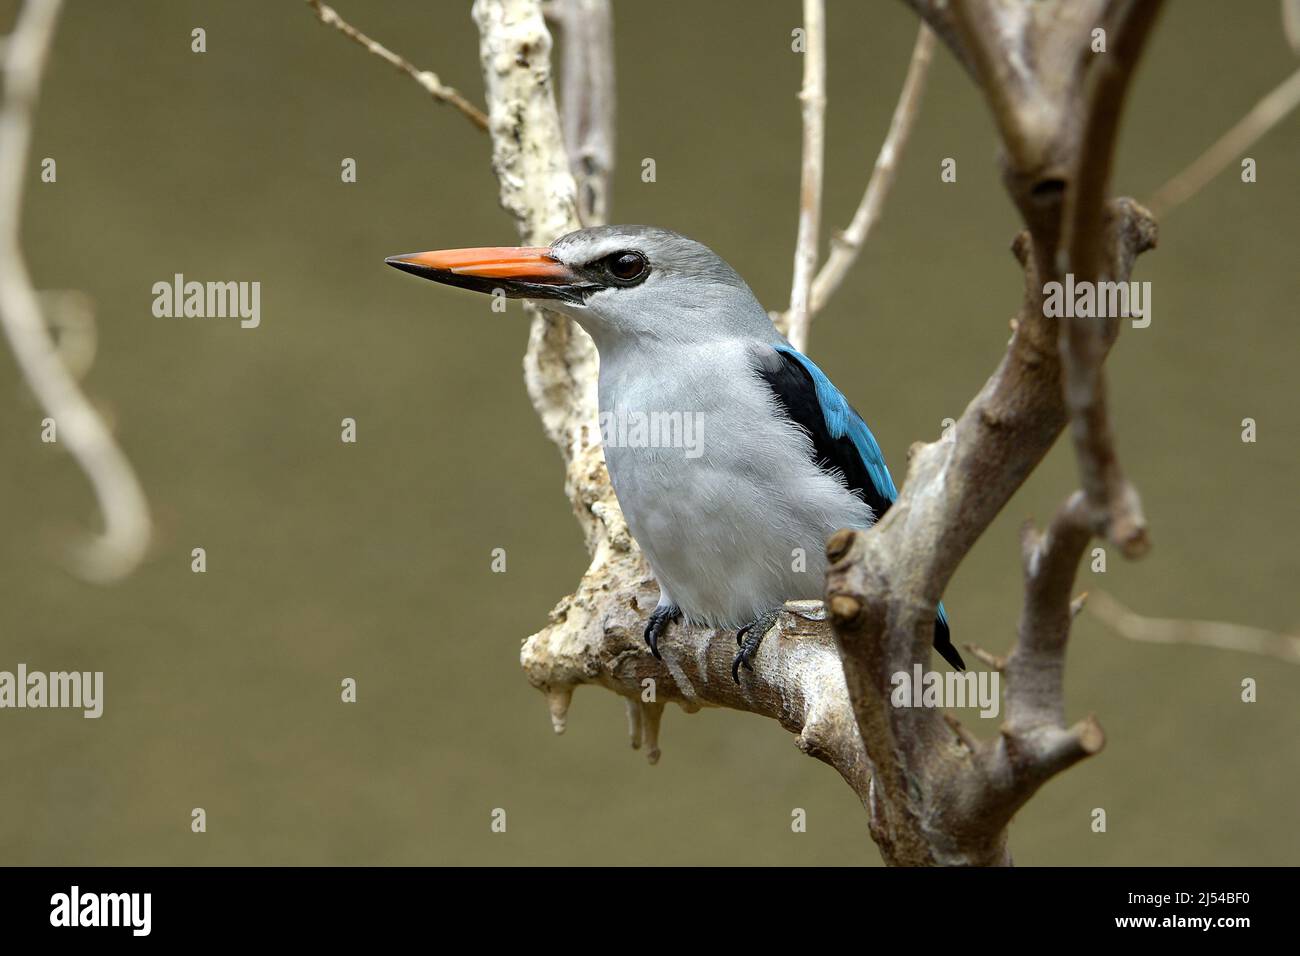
(626, 266)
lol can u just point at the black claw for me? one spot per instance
(743, 658)
(749, 637)
(660, 618)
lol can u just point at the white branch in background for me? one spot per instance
(587, 100)
(1220, 634)
(813, 98)
(846, 246)
(1263, 116)
(70, 315)
(426, 78)
(122, 545)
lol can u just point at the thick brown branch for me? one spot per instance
(1084, 340)
(957, 486)
(1036, 667)
(1034, 743)
(939, 797)
(938, 15)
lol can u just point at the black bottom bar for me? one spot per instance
(332, 905)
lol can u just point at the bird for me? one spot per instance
(733, 523)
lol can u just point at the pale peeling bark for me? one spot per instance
(538, 190)
(935, 794)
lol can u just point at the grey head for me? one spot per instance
(622, 284)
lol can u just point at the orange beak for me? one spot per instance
(518, 272)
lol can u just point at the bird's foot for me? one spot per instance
(660, 618)
(749, 637)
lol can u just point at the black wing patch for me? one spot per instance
(794, 388)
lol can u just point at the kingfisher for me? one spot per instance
(734, 523)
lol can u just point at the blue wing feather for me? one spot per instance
(842, 421)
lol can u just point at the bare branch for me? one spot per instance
(997, 39)
(538, 190)
(426, 78)
(122, 545)
(1263, 116)
(587, 102)
(1036, 668)
(1084, 340)
(846, 246)
(939, 16)
(1291, 23)
(938, 798)
(70, 316)
(595, 638)
(1035, 743)
(1220, 634)
(813, 98)
(934, 792)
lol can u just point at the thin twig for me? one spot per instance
(813, 97)
(1155, 630)
(120, 548)
(1263, 116)
(426, 78)
(846, 246)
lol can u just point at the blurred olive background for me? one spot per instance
(372, 561)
